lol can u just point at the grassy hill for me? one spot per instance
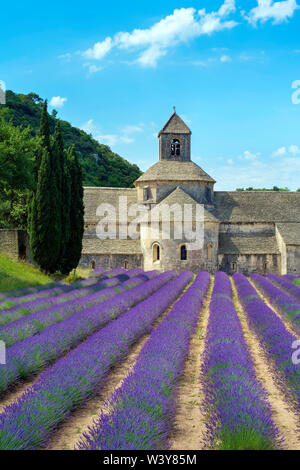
(15, 275)
(101, 166)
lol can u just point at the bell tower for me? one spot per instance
(175, 140)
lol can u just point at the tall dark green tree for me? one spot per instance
(45, 208)
(61, 169)
(44, 221)
(74, 245)
(44, 133)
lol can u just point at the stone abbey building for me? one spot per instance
(243, 231)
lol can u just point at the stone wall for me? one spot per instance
(15, 244)
(251, 263)
(110, 261)
(197, 260)
(9, 243)
(293, 259)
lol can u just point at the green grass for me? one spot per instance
(15, 275)
(297, 282)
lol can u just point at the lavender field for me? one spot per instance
(148, 360)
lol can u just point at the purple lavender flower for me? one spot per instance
(285, 285)
(28, 422)
(143, 407)
(240, 415)
(56, 290)
(34, 353)
(275, 339)
(283, 303)
(36, 322)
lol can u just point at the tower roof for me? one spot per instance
(175, 125)
(166, 170)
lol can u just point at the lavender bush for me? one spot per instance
(30, 290)
(13, 313)
(275, 339)
(143, 407)
(29, 421)
(285, 285)
(34, 353)
(58, 289)
(282, 302)
(39, 321)
(240, 415)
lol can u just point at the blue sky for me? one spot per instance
(117, 69)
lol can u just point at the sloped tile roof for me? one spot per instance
(166, 170)
(179, 196)
(175, 125)
(248, 244)
(290, 232)
(93, 197)
(257, 206)
(111, 247)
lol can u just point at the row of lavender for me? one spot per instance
(143, 408)
(282, 302)
(286, 285)
(30, 325)
(63, 300)
(28, 422)
(58, 289)
(275, 339)
(239, 412)
(32, 354)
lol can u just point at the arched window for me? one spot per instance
(175, 147)
(233, 267)
(183, 253)
(156, 252)
(125, 264)
(265, 266)
(209, 252)
(93, 264)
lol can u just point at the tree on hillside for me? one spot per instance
(17, 153)
(74, 245)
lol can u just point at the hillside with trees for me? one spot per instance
(100, 166)
(20, 142)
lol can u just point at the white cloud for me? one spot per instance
(88, 126)
(225, 58)
(249, 155)
(181, 26)
(107, 139)
(279, 152)
(269, 10)
(92, 68)
(292, 150)
(99, 50)
(259, 174)
(66, 57)
(132, 129)
(57, 102)
(125, 135)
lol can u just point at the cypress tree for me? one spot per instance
(58, 165)
(44, 224)
(44, 134)
(74, 246)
